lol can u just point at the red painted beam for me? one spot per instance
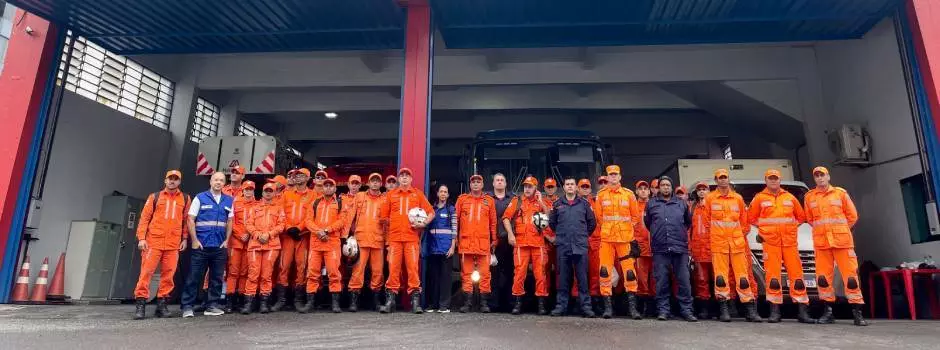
(924, 17)
(416, 94)
(29, 58)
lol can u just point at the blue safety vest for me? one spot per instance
(212, 218)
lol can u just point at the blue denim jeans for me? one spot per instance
(211, 259)
(677, 263)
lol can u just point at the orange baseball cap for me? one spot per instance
(248, 185)
(641, 183)
(583, 182)
(681, 189)
(550, 182)
(319, 173)
(391, 178)
(355, 178)
(701, 185)
(404, 171)
(279, 179)
(329, 181)
(476, 177)
(820, 169)
(772, 172)
(654, 183)
(375, 176)
(721, 172)
(305, 171)
(238, 169)
(613, 169)
(176, 173)
(529, 180)
(270, 186)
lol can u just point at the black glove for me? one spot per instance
(634, 249)
(342, 242)
(760, 239)
(294, 233)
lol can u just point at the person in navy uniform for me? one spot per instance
(573, 221)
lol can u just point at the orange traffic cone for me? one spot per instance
(40, 287)
(21, 289)
(57, 287)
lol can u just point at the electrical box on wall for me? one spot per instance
(851, 144)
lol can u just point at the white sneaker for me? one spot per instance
(213, 311)
(444, 311)
(430, 310)
(188, 314)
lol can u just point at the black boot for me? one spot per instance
(376, 300)
(229, 303)
(608, 307)
(724, 314)
(485, 303)
(631, 307)
(703, 309)
(389, 306)
(733, 308)
(354, 302)
(246, 307)
(651, 308)
(752, 315)
(300, 296)
(516, 305)
(857, 315)
(308, 306)
(803, 314)
(141, 310)
(542, 309)
(263, 304)
(280, 298)
(826, 317)
(334, 304)
(162, 310)
(416, 303)
(774, 314)
(468, 303)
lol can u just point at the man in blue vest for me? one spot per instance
(210, 226)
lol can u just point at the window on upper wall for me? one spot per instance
(245, 129)
(116, 82)
(206, 120)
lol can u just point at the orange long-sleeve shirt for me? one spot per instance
(164, 225)
(618, 214)
(244, 208)
(476, 223)
(727, 222)
(296, 205)
(400, 201)
(366, 219)
(267, 218)
(642, 233)
(777, 217)
(327, 216)
(700, 245)
(832, 214)
(527, 235)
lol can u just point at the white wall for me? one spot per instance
(863, 82)
(97, 150)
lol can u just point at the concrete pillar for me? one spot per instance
(414, 139)
(181, 120)
(228, 117)
(26, 89)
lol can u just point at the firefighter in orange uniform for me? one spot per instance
(777, 215)
(618, 215)
(529, 243)
(728, 221)
(265, 225)
(832, 213)
(318, 178)
(237, 269)
(161, 235)
(700, 251)
(404, 240)
(645, 287)
(235, 186)
(354, 183)
(328, 226)
(391, 183)
(295, 241)
(281, 183)
(476, 239)
(551, 273)
(369, 230)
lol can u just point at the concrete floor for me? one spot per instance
(111, 327)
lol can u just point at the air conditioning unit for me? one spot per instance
(851, 144)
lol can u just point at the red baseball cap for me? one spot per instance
(270, 186)
(375, 176)
(355, 179)
(248, 184)
(329, 181)
(476, 177)
(550, 182)
(238, 169)
(391, 178)
(641, 183)
(404, 171)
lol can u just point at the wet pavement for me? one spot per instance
(111, 327)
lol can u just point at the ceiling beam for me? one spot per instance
(587, 57)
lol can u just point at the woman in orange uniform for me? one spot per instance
(265, 226)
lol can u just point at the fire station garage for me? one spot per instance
(138, 85)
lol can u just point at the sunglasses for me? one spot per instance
(586, 187)
(268, 190)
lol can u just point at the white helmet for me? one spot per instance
(351, 248)
(540, 220)
(417, 216)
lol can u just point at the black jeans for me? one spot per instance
(578, 263)
(678, 263)
(438, 281)
(213, 259)
(502, 275)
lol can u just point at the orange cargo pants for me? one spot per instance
(645, 286)
(260, 271)
(522, 256)
(482, 262)
(410, 253)
(375, 258)
(702, 280)
(236, 274)
(774, 259)
(826, 259)
(736, 263)
(611, 253)
(149, 259)
(750, 278)
(315, 261)
(293, 253)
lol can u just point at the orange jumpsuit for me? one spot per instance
(370, 235)
(476, 238)
(163, 227)
(530, 245)
(233, 190)
(326, 216)
(237, 270)
(727, 222)
(832, 214)
(267, 218)
(701, 252)
(777, 217)
(294, 252)
(618, 214)
(404, 240)
(646, 287)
